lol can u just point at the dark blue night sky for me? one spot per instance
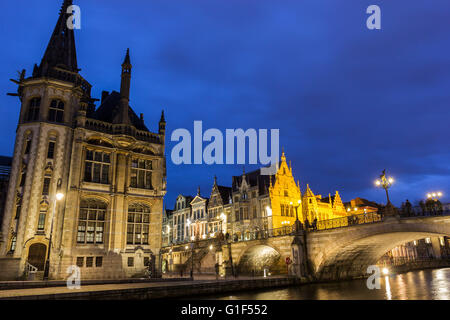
(349, 101)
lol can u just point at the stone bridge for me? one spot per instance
(347, 252)
(339, 253)
(249, 257)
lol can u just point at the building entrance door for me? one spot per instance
(36, 255)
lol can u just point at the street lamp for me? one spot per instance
(58, 197)
(434, 195)
(386, 183)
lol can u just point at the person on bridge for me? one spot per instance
(307, 225)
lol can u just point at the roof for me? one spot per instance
(327, 199)
(110, 108)
(361, 202)
(225, 193)
(61, 50)
(253, 179)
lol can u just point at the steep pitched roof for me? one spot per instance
(110, 108)
(253, 179)
(61, 50)
(225, 193)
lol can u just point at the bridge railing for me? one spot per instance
(424, 213)
(352, 220)
(262, 234)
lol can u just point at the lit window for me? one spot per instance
(427, 240)
(91, 222)
(41, 222)
(138, 224)
(13, 243)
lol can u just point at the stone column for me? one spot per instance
(436, 245)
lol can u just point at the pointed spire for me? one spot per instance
(122, 116)
(215, 180)
(162, 124)
(126, 76)
(127, 60)
(198, 191)
(61, 51)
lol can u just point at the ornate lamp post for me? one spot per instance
(433, 204)
(434, 196)
(386, 183)
(58, 196)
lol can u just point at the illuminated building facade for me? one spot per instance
(316, 207)
(254, 205)
(108, 167)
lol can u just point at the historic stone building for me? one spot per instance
(107, 164)
(316, 207)
(253, 206)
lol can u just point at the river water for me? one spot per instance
(414, 285)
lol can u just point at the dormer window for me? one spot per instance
(56, 111)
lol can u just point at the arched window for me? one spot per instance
(91, 221)
(56, 111)
(33, 109)
(138, 224)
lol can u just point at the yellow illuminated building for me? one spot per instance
(285, 196)
(314, 206)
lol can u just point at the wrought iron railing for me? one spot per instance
(352, 220)
(423, 213)
(262, 234)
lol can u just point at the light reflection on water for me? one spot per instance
(414, 285)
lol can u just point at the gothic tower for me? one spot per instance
(50, 100)
(105, 162)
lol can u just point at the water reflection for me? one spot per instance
(388, 288)
(415, 285)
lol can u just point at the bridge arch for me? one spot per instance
(347, 252)
(259, 256)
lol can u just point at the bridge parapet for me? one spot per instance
(346, 252)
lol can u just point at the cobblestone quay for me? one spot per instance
(145, 291)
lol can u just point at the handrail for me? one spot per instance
(347, 221)
(30, 268)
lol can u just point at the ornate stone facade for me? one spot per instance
(107, 164)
